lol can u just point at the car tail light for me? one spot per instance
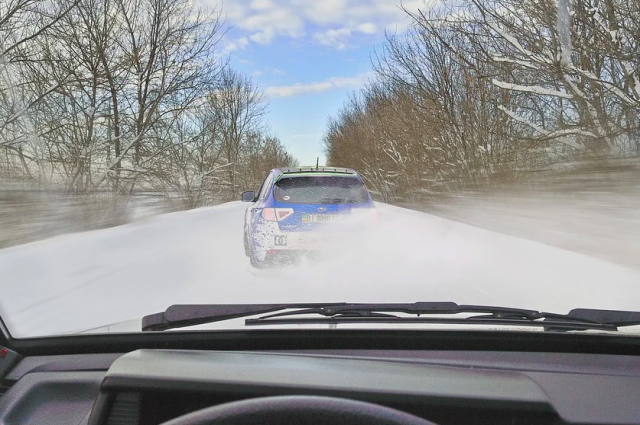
(276, 214)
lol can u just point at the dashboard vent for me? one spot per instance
(4, 387)
(125, 409)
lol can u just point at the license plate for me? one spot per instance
(321, 218)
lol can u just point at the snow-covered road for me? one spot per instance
(86, 280)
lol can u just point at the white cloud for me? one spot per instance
(233, 45)
(262, 4)
(263, 37)
(267, 71)
(264, 20)
(305, 136)
(327, 21)
(336, 38)
(367, 28)
(317, 87)
(325, 11)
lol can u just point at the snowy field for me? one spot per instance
(86, 280)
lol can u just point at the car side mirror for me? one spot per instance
(248, 196)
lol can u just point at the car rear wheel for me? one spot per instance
(247, 247)
(255, 261)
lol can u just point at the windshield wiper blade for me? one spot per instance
(178, 316)
(577, 319)
(183, 315)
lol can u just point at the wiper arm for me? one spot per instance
(178, 316)
(611, 317)
(183, 315)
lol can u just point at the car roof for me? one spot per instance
(319, 170)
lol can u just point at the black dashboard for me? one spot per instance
(152, 386)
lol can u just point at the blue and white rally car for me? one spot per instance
(304, 210)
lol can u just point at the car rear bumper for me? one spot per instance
(295, 244)
(305, 241)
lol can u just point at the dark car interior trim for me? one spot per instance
(274, 339)
(445, 377)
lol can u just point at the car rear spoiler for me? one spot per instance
(318, 169)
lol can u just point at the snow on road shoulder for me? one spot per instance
(86, 280)
(481, 266)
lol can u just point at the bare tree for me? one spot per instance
(22, 22)
(170, 49)
(239, 107)
(579, 65)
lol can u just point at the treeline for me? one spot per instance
(124, 96)
(494, 91)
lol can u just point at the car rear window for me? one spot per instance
(320, 190)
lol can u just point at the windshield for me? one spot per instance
(320, 190)
(162, 152)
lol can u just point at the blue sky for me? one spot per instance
(307, 55)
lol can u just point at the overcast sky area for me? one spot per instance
(307, 55)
